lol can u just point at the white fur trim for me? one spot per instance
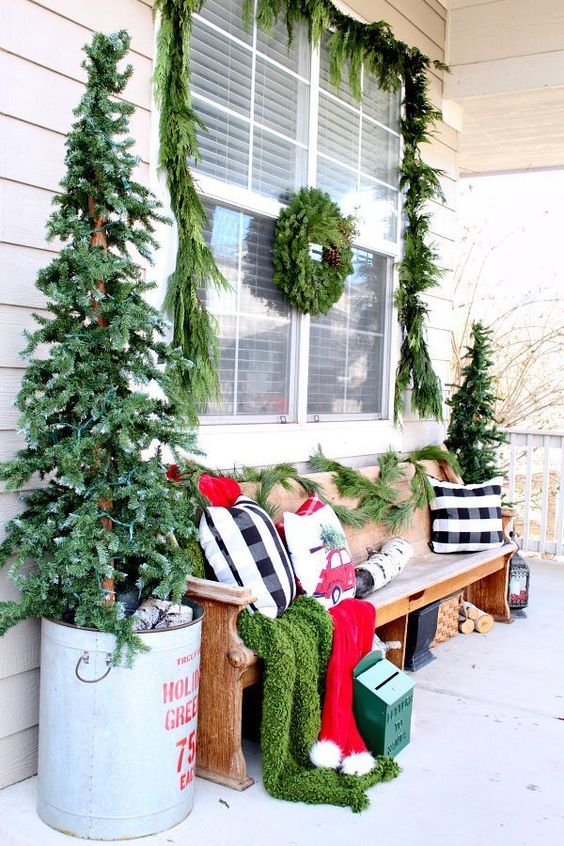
(325, 753)
(359, 763)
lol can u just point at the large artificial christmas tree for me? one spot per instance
(473, 434)
(98, 408)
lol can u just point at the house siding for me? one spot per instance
(42, 82)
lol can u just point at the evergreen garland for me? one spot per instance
(418, 270)
(194, 328)
(351, 43)
(312, 218)
(377, 499)
(267, 478)
(104, 515)
(473, 434)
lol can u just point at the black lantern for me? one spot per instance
(519, 574)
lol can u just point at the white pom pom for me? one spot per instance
(325, 753)
(359, 763)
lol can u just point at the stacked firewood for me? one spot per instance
(472, 619)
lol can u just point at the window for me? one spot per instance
(275, 123)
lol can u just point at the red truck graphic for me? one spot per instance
(337, 576)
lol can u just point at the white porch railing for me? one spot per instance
(534, 463)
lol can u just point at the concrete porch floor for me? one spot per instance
(485, 765)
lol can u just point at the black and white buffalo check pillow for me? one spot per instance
(466, 518)
(243, 549)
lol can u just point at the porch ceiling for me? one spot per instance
(507, 74)
(512, 132)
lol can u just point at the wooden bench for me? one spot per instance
(228, 667)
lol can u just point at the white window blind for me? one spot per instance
(358, 152)
(348, 346)
(254, 317)
(253, 95)
(227, 16)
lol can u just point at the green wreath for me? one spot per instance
(312, 218)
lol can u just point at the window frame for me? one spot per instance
(248, 201)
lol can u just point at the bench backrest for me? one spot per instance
(372, 535)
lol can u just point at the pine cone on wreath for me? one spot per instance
(332, 256)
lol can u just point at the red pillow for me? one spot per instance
(312, 504)
(220, 490)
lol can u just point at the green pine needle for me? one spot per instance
(378, 500)
(354, 518)
(311, 217)
(194, 328)
(433, 452)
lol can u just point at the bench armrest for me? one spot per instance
(226, 594)
(507, 517)
(222, 605)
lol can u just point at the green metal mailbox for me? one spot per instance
(383, 699)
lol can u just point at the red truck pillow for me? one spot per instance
(319, 553)
(312, 504)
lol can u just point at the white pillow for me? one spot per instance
(320, 555)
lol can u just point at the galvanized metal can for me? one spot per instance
(117, 746)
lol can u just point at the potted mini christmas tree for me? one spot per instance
(473, 434)
(102, 519)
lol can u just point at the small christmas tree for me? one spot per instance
(473, 435)
(96, 411)
(331, 538)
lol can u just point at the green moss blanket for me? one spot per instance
(295, 649)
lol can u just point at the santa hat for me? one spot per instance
(340, 745)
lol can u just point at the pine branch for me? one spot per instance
(435, 453)
(195, 330)
(378, 500)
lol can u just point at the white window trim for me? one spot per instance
(260, 444)
(249, 201)
(300, 336)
